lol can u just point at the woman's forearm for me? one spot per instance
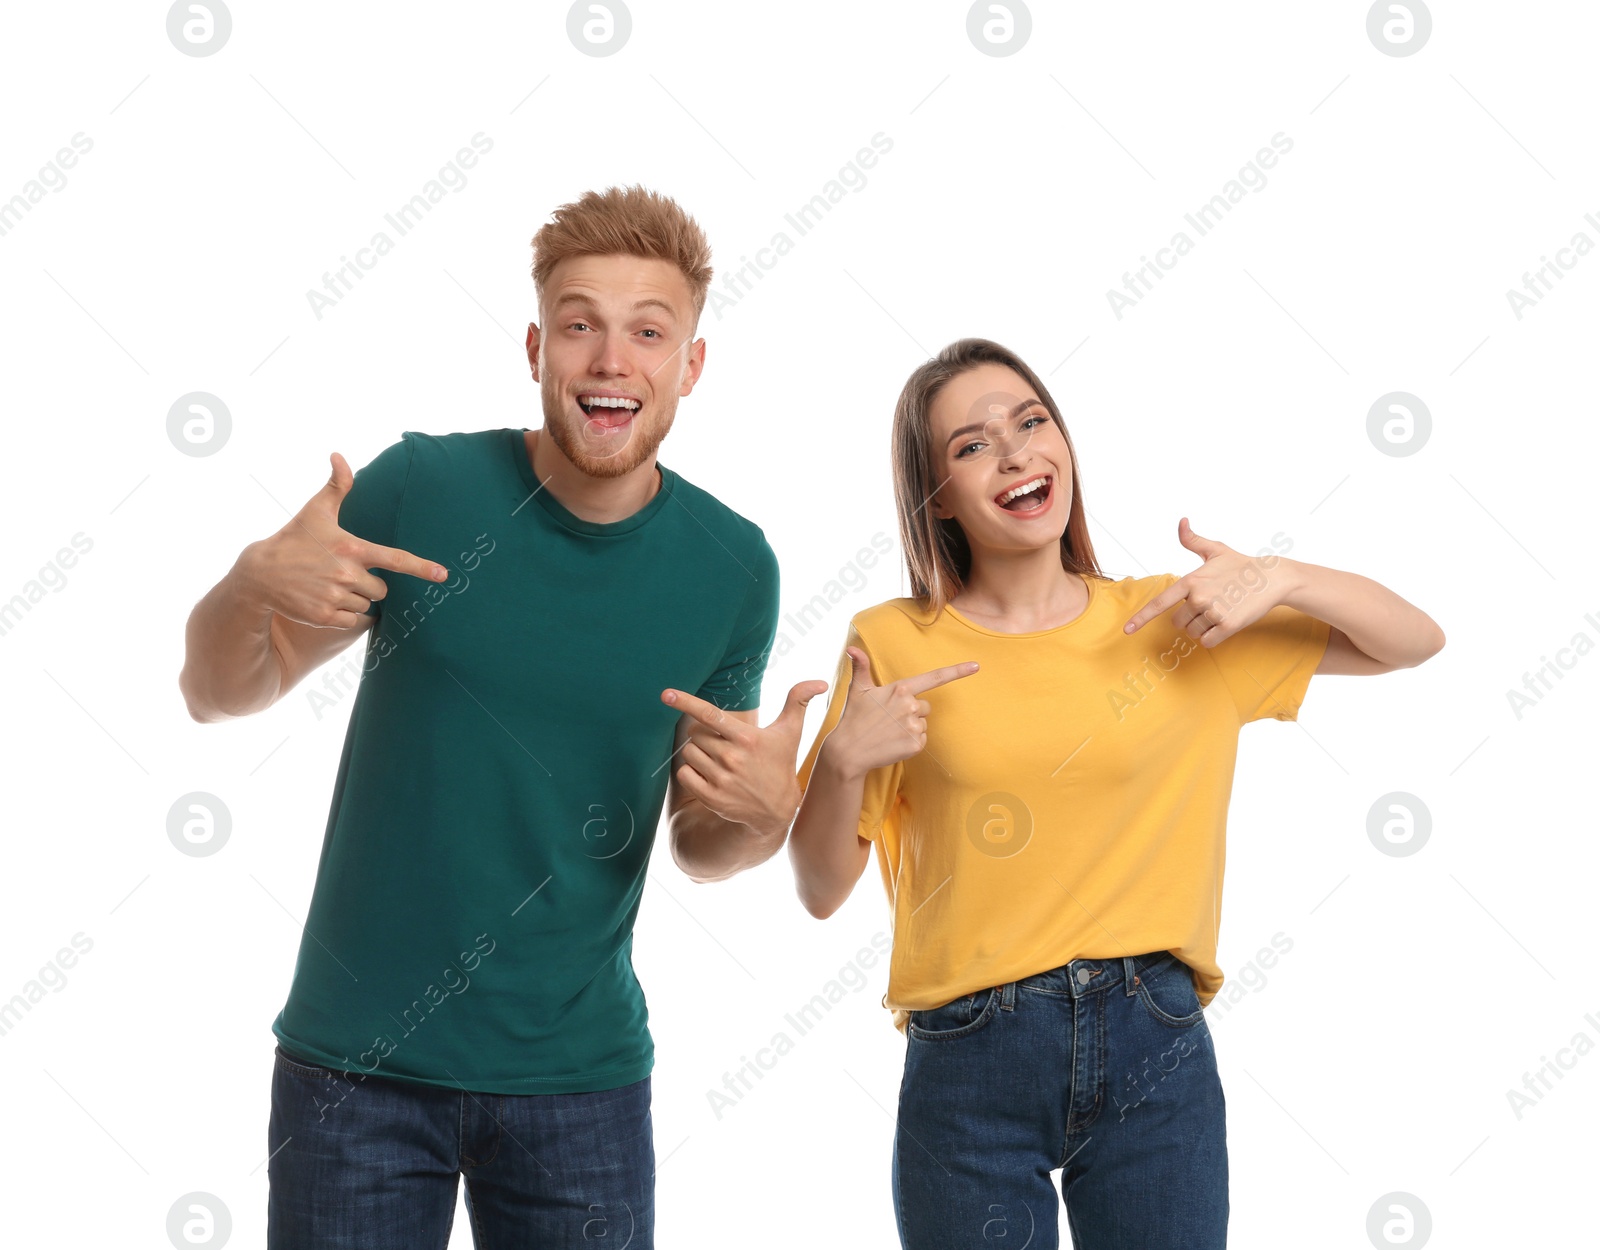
(825, 848)
(1378, 621)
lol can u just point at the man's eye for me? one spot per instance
(576, 324)
(657, 333)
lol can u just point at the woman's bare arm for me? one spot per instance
(827, 852)
(879, 726)
(1374, 630)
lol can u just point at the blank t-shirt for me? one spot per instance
(505, 767)
(1072, 799)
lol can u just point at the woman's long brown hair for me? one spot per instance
(938, 557)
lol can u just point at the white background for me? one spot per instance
(1019, 189)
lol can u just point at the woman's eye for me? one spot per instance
(960, 454)
(1028, 424)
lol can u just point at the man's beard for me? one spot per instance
(622, 455)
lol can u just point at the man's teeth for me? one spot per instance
(609, 401)
(1038, 483)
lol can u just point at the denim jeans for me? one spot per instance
(365, 1162)
(1103, 1068)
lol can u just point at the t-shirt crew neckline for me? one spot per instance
(1088, 607)
(517, 444)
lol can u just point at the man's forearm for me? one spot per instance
(230, 667)
(709, 848)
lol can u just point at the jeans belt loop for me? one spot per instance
(1130, 970)
(1008, 996)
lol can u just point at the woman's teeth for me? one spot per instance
(1033, 491)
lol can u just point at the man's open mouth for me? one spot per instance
(609, 412)
(1027, 496)
(608, 405)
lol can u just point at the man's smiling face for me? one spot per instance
(614, 358)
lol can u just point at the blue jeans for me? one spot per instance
(362, 1162)
(1103, 1068)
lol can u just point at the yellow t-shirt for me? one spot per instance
(1072, 799)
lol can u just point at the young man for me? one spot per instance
(568, 635)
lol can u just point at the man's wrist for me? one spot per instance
(774, 826)
(243, 586)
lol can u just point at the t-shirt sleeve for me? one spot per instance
(1267, 666)
(371, 509)
(880, 792)
(736, 685)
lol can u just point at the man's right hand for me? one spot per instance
(313, 572)
(884, 724)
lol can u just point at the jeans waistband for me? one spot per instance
(1081, 977)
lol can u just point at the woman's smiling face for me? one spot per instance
(992, 434)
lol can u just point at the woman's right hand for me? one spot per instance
(884, 724)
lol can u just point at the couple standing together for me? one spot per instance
(568, 636)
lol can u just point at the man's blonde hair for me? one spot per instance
(625, 221)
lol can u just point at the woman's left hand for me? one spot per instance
(1226, 593)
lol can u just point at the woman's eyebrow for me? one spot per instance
(979, 428)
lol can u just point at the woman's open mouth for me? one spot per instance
(1027, 498)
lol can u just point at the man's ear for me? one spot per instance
(696, 362)
(533, 349)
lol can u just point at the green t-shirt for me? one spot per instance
(505, 767)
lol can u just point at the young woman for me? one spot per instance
(1042, 758)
